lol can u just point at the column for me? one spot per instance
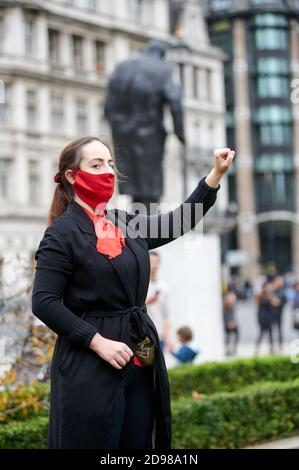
(295, 109)
(247, 228)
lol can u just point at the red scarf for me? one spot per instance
(110, 239)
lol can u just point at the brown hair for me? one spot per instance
(185, 333)
(71, 157)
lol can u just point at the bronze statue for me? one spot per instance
(136, 94)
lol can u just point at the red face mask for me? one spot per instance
(94, 189)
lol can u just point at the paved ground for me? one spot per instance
(289, 443)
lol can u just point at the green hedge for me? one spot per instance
(233, 420)
(230, 376)
(25, 434)
(223, 420)
(258, 400)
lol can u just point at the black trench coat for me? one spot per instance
(71, 278)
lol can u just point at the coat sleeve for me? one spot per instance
(53, 270)
(160, 229)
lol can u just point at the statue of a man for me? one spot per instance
(136, 94)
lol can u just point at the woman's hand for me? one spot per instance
(223, 159)
(116, 353)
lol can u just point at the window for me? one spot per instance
(195, 82)
(100, 56)
(57, 112)
(1, 35)
(141, 11)
(272, 65)
(81, 116)
(272, 87)
(274, 181)
(271, 32)
(275, 134)
(54, 48)
(34, 182)
(272, 114)
(29, 37)
(78, 52)
(217, 5)
(4, 104)
(92, 5)
(272, 78)
(31, 109)
(182, 76)
(271, 39)
(5, 177)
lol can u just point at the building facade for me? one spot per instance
(260, 39)
(55, 60)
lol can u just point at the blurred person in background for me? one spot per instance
(230, 324)
(278, 290)
(265, 301)
(188, 350)
(157, 303)
(295, 306)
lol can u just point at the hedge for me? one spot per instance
(234, 420)
(224, 420)
(23, 401)
(220, 405)
(214, 377)
(25, 434)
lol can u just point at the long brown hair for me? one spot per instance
(71, 157)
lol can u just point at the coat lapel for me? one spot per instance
(119, 218)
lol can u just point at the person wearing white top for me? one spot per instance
(157, 303)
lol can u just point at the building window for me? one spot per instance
(182, 77)
(272, 80)
(275, 134)
(4, 104)
(140, 11)
(78, 52)
(274, 181)
(92, 5)
(272, 114)
(271, 32)
(100, 56)
(217, 5)
(271, 39)
(81, 116)
(1, 35)
(195, 82)
(274, 190)
(34, 182)
(272, 87)
(29, 37)
(57, 112)
(5, 177)
(32, 109)
(54, 48)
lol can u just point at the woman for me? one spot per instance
(230, 323)
(90, 289)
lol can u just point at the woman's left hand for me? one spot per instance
(223, 159)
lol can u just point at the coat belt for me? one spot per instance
(137, 316)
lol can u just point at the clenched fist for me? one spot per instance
(223, 159)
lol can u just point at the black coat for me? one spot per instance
(71, 278)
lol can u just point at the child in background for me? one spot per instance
(188, 350)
